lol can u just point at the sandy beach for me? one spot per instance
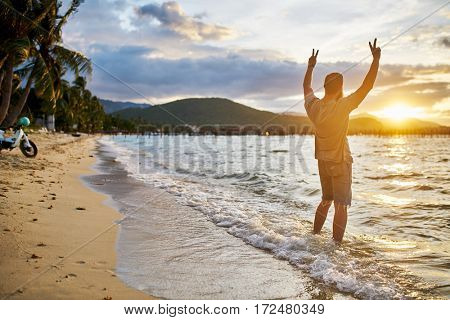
(48, 219)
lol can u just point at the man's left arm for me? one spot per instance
(355, 99)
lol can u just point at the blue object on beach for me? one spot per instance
(24, 122)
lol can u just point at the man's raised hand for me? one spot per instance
(376, 51)
(313, 59)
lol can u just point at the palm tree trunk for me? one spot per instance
(15, 110)
(2, 61)
(2, 75)
(6, 89)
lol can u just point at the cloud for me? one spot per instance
(443, 105)
(429, 35)
(242, 77)
(444, 42)
(415, 94)
(427, 70)
(227, 76)
(171, 16)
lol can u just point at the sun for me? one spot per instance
(399, 112)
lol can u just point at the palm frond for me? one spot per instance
(25, 69)
(20, 18)
(79, 83)
(43, 79)
(20, 48)
(72, 9)
(73, 60)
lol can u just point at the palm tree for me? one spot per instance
(63, 110)
(18, 20)
(47, 59)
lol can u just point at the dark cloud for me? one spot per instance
(229, 76)
(134, 50)
(200, 15)
(239, 77)
(171, 16)
(444, 42)
(393, 75)
(354, 73)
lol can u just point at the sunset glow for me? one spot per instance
(399, 112)
(255, 53)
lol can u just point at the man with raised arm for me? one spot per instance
(330, 117)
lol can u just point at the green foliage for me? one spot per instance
(114, 124)
(31, 40)
(78, 107)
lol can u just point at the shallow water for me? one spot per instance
(263, 191)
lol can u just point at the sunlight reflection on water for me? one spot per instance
(403, 183)
(396, 167)
(385, 199)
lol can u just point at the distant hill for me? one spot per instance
(224, 112)
(364, 124)
(114, 106)
(363, 115)
(410, 123)
(210, 111)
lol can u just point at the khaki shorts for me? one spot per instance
(336, 181)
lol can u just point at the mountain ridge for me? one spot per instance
(221, 111)
(111, 106)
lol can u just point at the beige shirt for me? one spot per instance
(330, 120)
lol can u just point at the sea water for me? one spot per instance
(263, 191)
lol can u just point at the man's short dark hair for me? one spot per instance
(334, 82)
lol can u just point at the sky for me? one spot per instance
(255, 51)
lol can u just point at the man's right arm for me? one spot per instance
(308, 92)
(358, 96)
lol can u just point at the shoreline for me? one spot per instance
(191, 257)
(57, 235)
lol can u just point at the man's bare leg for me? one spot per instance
(339, 222)
(321, 215)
